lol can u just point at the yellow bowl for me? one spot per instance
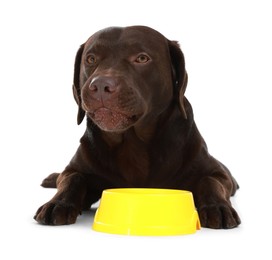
(146, 212)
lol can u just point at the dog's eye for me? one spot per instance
(91, 59)
(142, 58)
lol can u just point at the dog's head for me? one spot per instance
(124, 75)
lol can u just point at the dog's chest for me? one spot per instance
(133, 163)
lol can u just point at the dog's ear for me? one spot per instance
(76, 85)
(180, 76)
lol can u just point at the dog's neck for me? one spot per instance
(143, 130)
(115, 138)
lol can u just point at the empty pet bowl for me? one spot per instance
(146, 212)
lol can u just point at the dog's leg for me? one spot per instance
(65, 206)
(212, 197)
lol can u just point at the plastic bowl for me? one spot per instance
(146, 212)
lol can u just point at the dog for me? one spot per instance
(130, 82)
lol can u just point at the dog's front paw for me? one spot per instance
(56, 213)
(218, 216)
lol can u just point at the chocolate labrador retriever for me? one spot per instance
(130, 84)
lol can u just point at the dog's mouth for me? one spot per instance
(111, 120)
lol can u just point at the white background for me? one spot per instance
(227, 46)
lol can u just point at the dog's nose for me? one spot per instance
(103, 87)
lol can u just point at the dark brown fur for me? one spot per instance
(130, 82)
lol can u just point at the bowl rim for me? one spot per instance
(146, 191)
